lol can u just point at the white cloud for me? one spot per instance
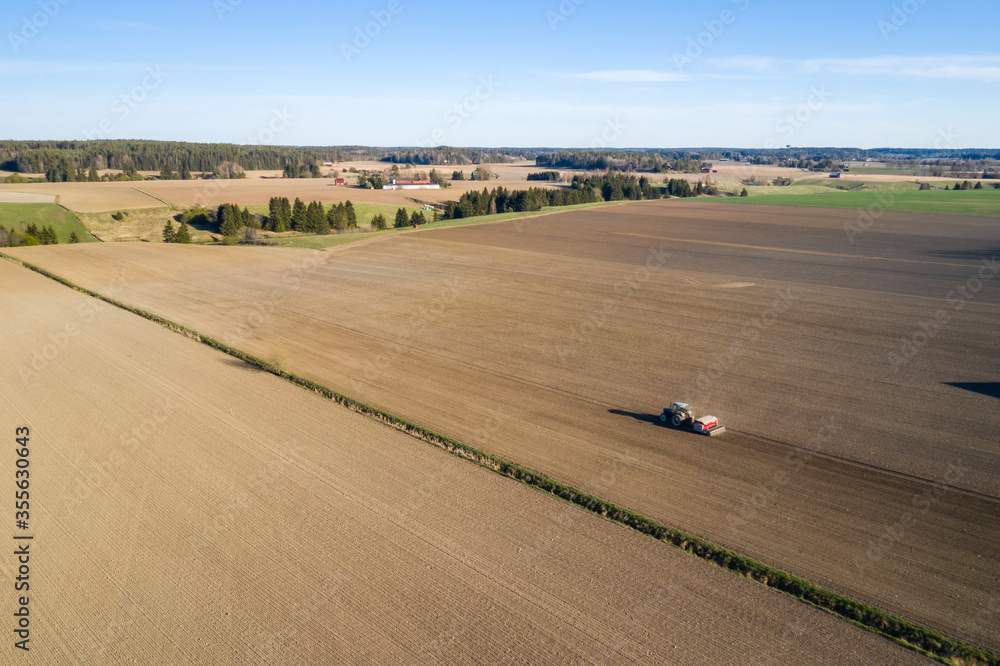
(961, 67)
(631, 76)
(978, 68)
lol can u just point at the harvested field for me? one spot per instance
(25, 197)
(94, 197)
(186, 508)
(513, 337)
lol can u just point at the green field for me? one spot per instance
(19, 215)
(903, 197)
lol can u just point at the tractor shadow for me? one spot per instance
(990, 389)
(985, 253)
(643, 418)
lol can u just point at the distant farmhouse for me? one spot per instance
(709, 170)
(399, 184)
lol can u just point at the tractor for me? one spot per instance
(680, 415)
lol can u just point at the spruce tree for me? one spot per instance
(168, 232)
(185, 172)
(352, 217)
(92, 175)
(312, 218)
(337, 216)
(73, 238)
(298, 215)
(379, 222)
(183, 234)
(321, 223)
(402, 219)
(230, 219)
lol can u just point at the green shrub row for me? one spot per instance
(902, 632)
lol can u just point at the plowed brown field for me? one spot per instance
(186, 509)
(875, 483)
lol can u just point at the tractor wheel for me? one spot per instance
(678, 420)
(663, 417)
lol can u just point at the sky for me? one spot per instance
(548, 73)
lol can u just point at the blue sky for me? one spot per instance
(556, 73)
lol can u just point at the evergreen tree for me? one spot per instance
(185, 171)
(312, 218)
(92, 175)
(276, 214)
(230, 219)
(337, 217)
(417, 218)
(978, 186)
(379, 223)
(166, 173)
(744, 193)
(298, 215)
(183, 234)
(402, 219)
(249, 220)
(352, 217)
(322, 223)
(73, 238)
(45, 235)
(168, 232)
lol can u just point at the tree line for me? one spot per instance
(32, 235)
(143, 155)
(610, 186)
(283, 215)
(634, 161)
(502, 200)
(240, 225)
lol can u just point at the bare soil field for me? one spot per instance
(94, 197)
(24, 197)
(186, 508)
(563, 336)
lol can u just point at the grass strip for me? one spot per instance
(907, 634)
